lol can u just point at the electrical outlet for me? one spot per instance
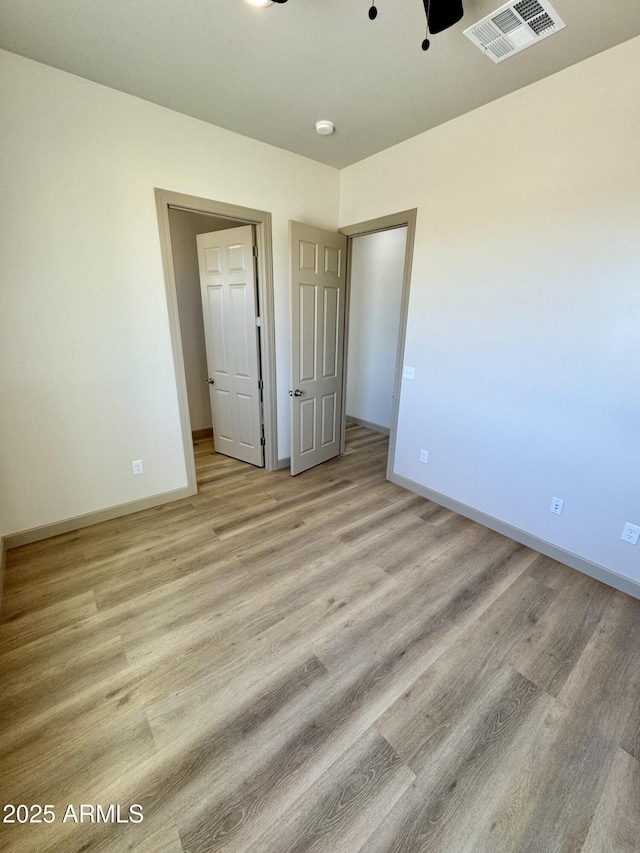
(631, 533)
(556, 506)
(424, 456)
(408, 373)
(137, 467)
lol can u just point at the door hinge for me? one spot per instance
(263, 441)
(255, 251)
(259, 321)
(260, 384)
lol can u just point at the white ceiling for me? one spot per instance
(272, 73)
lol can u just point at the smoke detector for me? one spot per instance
(514, 27)
(325, 127)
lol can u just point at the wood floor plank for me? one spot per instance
(549, 653)
(554, 574)
(319, 576)
(458, 678)
(554, 792)
(332, 724)
(341, 810)
(331, 516)
(616, 824)
(239, 669)
(630, 740)
(336, 722)
(52, 673)
(19, 630)
(153, 564)
(82, 760)
(326, 662)
(400, 540)
(594, 679)
(250, 518)
(506, 807)
(422, 616)
(314, 739)
(165, 839)
(156, 569)
(225, 781)
(443, 810)
(566, 773)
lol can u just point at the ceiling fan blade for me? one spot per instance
(442, 14)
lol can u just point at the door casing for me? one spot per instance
(262, 221)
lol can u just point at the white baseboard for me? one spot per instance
(35, 534)
(369, 425)
(283, 463)
(594, 570)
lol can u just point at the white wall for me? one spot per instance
(524, 315)
(184, 227)
(377, 266)
(86, 373)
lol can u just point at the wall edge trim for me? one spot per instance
(45, 531)
(200, 434)
(574, 561)
(3, 564)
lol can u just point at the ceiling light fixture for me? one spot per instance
(441, 14)
(260, 3)
(325, 127)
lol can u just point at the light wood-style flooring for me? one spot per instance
(320, 663)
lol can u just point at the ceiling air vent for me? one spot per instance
(514, 27)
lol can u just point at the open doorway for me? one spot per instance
(181, 218)
(375, 297)
(185, 226)
(380, 257)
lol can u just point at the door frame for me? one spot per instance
(166, 199)
(371, 226)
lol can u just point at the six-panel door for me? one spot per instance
(317, 335)
(229, 305)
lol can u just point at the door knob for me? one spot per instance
(296, 393)
(210, 381)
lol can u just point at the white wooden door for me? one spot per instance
(318, 260)
(229, 305)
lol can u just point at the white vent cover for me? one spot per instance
(514, 27)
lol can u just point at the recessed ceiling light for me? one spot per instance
(324, 127)
(259, 2)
